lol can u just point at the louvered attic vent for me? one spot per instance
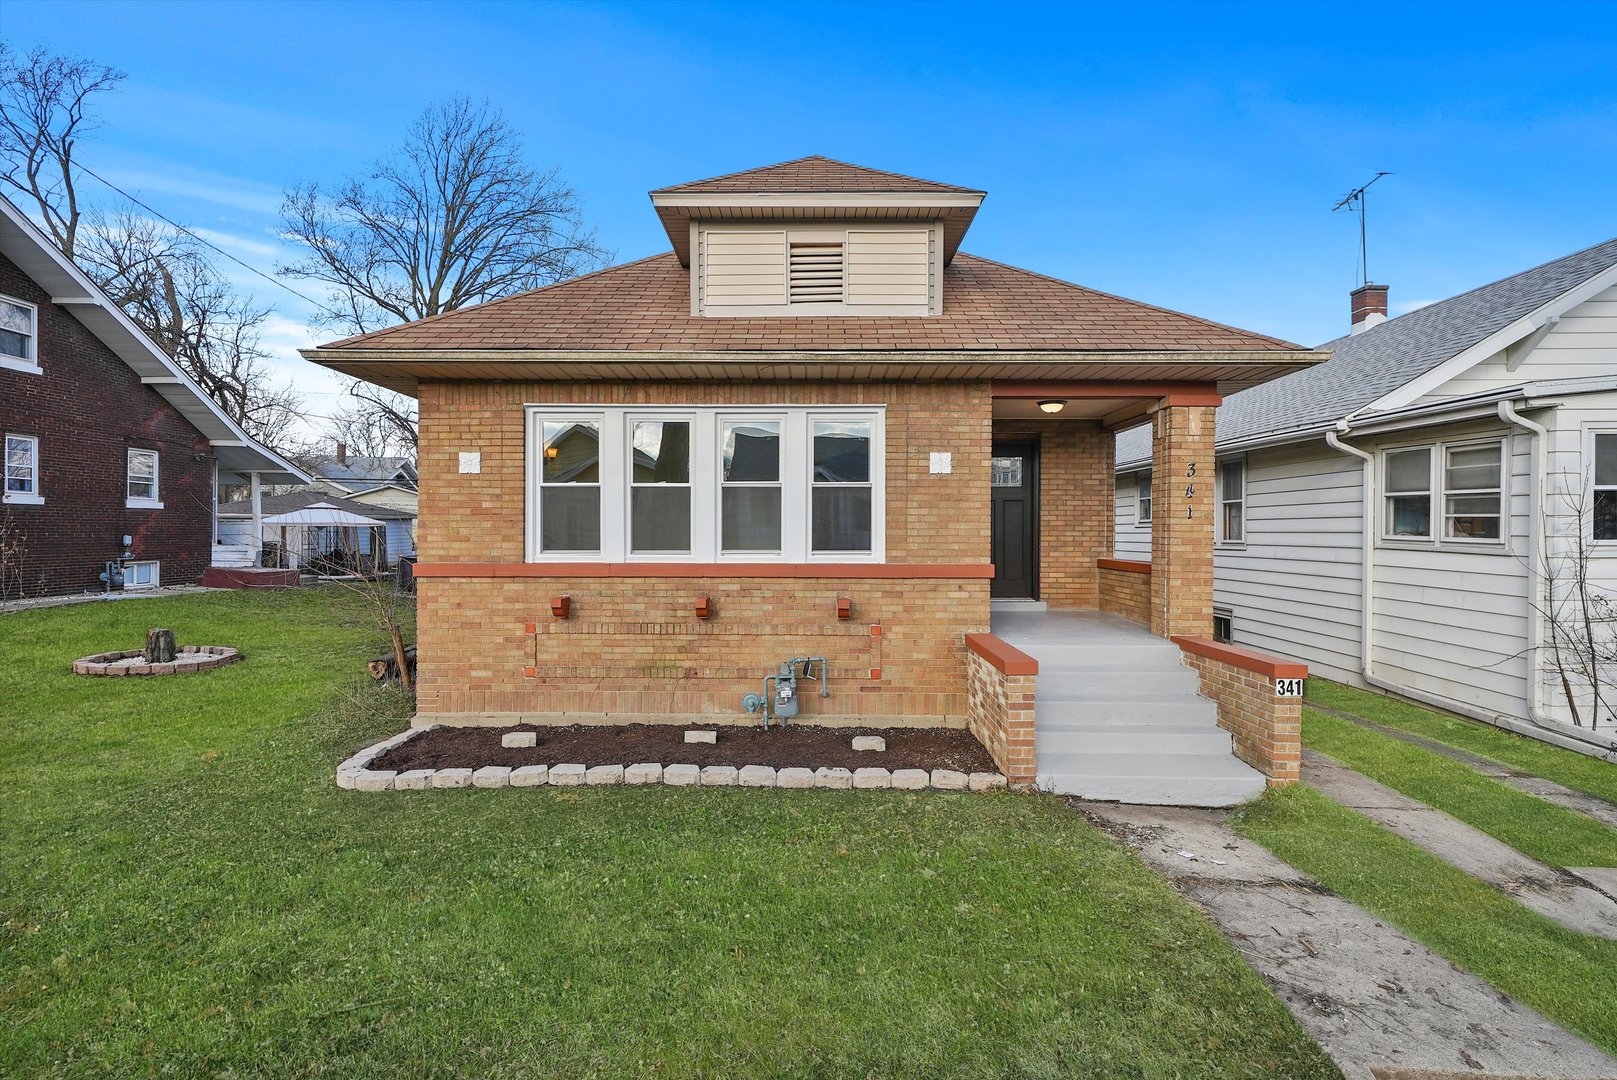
(815, 274)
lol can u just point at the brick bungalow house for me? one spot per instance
(815, 428)
(112, 455)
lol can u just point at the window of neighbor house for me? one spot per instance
(706, 484)
(18, 333)
(1223, 626)
(1473, 491)
(1143, 493)
(1231, 501)
(22, 469)
(1407, 481)
(142, 480)
(1605, 482)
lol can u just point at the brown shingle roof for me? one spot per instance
(645, 307)
(810, 174)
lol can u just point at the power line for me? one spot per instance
(277, 282)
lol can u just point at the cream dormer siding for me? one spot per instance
(816, 268)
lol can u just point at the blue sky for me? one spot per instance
(1187, 155)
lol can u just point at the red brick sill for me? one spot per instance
(1128, 566)
(907, 571)
(1236, 656)
(1005, 657)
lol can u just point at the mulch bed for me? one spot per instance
(805, 746)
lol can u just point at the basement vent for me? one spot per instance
(815, 274)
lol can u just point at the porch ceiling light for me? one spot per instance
(1053, 405)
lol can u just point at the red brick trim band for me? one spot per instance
(1126, 565)
(1236, 656)
(912, 571)
(1004, 657)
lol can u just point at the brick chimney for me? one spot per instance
(342, 448)
(1369, 307)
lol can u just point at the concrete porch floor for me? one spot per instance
(1118, 716)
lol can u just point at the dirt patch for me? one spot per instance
(804, 746)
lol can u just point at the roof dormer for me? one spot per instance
(816, 237)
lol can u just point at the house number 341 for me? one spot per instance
(1190, 490)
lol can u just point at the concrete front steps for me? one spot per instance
(1119, 717)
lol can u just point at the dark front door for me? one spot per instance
(1016, 520)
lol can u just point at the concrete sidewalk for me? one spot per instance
(1380, 1003)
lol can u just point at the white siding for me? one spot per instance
(1451, 620)
(1130, 540)
(1582, 344)
(1293, 588)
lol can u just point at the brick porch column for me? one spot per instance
(1182, 484)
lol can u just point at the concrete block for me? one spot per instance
(869, 742)
(839, 779)
(757, 776)
(719, 776)
(374, 780)
(566, 775)
(515, 740)
(414, 780)
(492, 776)
(872, 779)
(604, 775)
(911, 779)
(682, 776)
(451, 778)
(701, 736)
(794, 778)
(948, 780)
(648, 773)
(346, 778)
(985, 781)
(529, 776)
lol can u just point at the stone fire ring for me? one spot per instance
(190, 658)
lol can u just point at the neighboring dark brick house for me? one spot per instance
(72, 408)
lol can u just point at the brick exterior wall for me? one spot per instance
(1125, 589)
(1000, 715)
(1182, 483)
(1075, 504)
(87, 409)
(1267, 730)
(633, 648)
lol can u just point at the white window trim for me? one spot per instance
(21, 498)
(1437, 491)
(1144, 492)
(797, 464)
(157, 570)
(1221, 504)
(1608, 546)
(30, 364)
(155, 500)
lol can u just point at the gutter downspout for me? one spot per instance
(1368, 544)
(1536, 600)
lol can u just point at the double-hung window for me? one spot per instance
(649, 484)
(142, 479)
(1604, 516)
(1473, 491)
(1231, 502)
(19, 335)
(1143, 489)
(22, 469)
(1406, 480)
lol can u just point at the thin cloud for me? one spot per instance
(1411, 305)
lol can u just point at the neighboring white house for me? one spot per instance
(389, 482)
(236, 524)
(1466, 453)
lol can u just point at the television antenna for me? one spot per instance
(1353, 202)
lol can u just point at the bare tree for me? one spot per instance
(1580, 615)
(456, 216)
(381, 424)
(162, 277)
(44, 108)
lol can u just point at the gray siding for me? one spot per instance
(1130, 539)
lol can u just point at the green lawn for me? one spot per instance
(1578, 771)
(1531, 825)
(184, 891)
(1570, 977)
